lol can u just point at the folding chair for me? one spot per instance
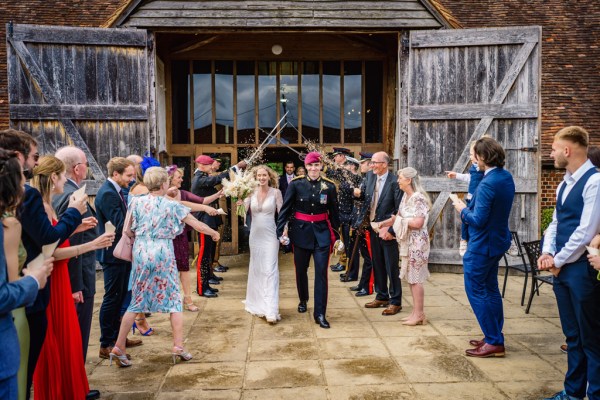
(534, 251)
(522, 267)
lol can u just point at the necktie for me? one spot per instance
(289, 178)
(375, 200)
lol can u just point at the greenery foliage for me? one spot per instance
(546, 218)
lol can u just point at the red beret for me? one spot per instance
(312, 157)
(204, 160)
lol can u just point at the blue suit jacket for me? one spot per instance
(488, 213)
(12, 295)
(109, 207)
(38, 231)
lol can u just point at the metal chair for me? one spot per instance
(523, 267)
(534, 251)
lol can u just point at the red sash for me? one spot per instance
(317, 218)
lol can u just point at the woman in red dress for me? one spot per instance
(60, 371)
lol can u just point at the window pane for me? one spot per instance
(331, 102)
(267, 98)
(310, 101)
(352, 102)
(224, 101)
(373, 100)
(245, 102)
(186, 164)
(180, 74)
(288, 98)
(202, 102)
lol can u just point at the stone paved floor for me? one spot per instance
(363, 356)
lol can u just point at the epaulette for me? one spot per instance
(298, 177)
(327, 179)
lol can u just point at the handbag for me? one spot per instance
(124, 248)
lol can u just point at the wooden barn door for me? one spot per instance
(464, 84)
(87, 87)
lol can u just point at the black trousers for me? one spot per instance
(38, 325)
(367, 279)
(301, 261)
(351, 269)
(85, 313)
(204, 263)
(387, 272)
(116, 280)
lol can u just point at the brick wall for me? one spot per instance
(550, 179)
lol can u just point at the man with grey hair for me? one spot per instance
(82, 269)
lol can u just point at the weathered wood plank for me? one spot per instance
(78, 112)
(83, 36)
(472, 111)
(475, 37)
(386, 6)
(443, 184)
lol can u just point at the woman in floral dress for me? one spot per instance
(156, 220)
(410, 226)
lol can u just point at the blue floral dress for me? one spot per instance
(156, 221)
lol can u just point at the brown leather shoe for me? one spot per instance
(133, 342)
(105, 353)
(476, 343)
(391, 310)
(377, 304)
(486, 350)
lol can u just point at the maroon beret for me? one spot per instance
(312, 157)
(204, 160)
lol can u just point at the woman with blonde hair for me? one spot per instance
(60, 370)
(262, 292)
(156, 221)
(410, 226)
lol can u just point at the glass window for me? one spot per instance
(267, 98)
(331, 102)
(288, 98)
(224, 101)
(202, 102)
(180, 73)
(310, 101)
(245, 102)
(186, 164)
(373, 101)
(352, 102)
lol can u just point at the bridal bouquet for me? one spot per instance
(239, 186)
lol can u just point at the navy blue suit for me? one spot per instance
(37, 232)
(385, 255)
(486, 218)
(283, 184)
(12, 295)
(111, 207)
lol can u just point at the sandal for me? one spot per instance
(148, 332)
(179, 352)
(190, 306)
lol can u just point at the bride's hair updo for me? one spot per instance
(273, 178)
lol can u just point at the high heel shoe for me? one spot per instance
(148, 332)
(121, 358)
(420, 321)
(180, 353)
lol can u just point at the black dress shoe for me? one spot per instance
(338, 268)
(361, 292)
(216, 277)
(220, 268)
(355, 288)
(209, 293)
(213, 281)
(302, 307)
(320, 319)
(213, 289)
(92, 395)
(346, 278)
(343, 275)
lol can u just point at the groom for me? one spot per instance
(310, 206)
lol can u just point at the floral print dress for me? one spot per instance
(156, 221)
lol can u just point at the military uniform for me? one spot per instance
(367, 279)
(310, 209)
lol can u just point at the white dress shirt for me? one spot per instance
(589, 224)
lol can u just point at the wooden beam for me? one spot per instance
(82, 36)
(472, 111)
(193, 45)
(475, 37)
(78, 112)
(443, 184)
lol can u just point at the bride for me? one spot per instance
(262, 293)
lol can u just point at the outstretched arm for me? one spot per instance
(201, 227)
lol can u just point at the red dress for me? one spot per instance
(60, 371)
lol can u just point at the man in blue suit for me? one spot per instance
(14, 295)
(111, 206)
(576, 221)
(486, 219)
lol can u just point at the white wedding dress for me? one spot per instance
(262, 293)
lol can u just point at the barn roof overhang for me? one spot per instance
(285, 15)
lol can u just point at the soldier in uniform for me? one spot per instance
(310, 209)
(351, 181)
(339, 175)
(367, 280)
(203, 185)
(216, 265)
